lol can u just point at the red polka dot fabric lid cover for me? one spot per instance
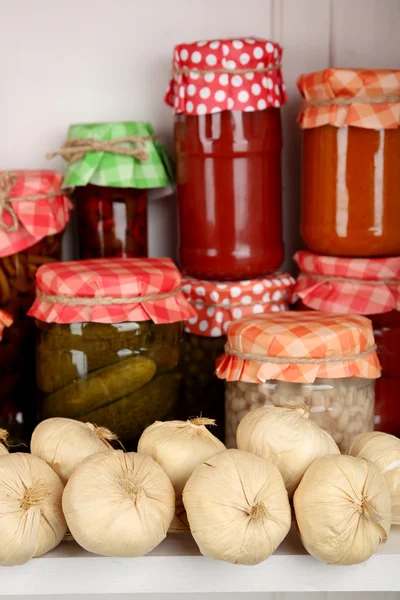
(218, 304)
(236, 74)
(110, 291)
(364, 286)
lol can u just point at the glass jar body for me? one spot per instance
(345, 213)
(202, 392)
(229, 194)
(17, 348)
(122, 376)
(112, 222)
(342, 407)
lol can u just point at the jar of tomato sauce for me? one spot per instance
(226, 96)
(111, 167)
(351, 162)
(368, 287)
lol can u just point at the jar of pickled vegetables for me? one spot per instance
(351, 162)
(217, 305)
(366, 286)
(111, 167)
(34, 211)
(226, 96)
(324, 361)
(109, 342)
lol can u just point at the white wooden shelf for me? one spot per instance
(177, 567)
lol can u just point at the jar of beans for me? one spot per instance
(326, 362)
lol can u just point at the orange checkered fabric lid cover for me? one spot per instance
(299, 346)
(357, 97)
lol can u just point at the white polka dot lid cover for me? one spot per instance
(237, 74)
(218, 304)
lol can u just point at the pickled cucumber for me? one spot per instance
(99, 388)
(129, 416)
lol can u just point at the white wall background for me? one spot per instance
(64, 61)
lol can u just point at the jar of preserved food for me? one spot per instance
(34, 211)
(366, 286)
(325, 361)
(111, 166)
(217, 305)
(109, 339)
(350, 120)
(226, 96)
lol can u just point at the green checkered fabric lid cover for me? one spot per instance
(118, 170)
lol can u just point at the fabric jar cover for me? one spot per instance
(236, 74)
(364, 286)
(44, 212)
(357, 97)
(109, 291)
(218, 304)
(299, 346)
(113, 169)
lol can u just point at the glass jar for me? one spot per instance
(103, 355)
(228, 145)
(111, 166)
(217, 304)
(342, 407)
(23, 248)
(112, 222)
(344, 214)
(366, 286)
(325, 361)
(123, 376)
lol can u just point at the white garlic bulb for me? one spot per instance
(179, 446)
(286, 437)
(32, 522)
(119, 504)
(238, 507)
(384, 451)
(343, 509)
(64, 443)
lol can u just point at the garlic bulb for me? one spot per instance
(238, 507)
(3, 442)
(343, 510)
(64, 443)
(286, 437)
(32, 522)
(384, 451)
(179, 446)
(119, 504)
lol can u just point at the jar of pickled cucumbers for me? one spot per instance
(34, 212)
(109, 342)
(327, 362)
(217, 304)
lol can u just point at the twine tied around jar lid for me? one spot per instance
(103, 300)
(75, 148)
(7, 182)
(391, 99)
(186, 70)
(293, 360)
(351, 279)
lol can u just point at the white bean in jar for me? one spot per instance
(342, 407)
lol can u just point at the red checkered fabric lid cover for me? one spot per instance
(364, 286)
(236, 74)
(358, 97)
(35, 218)
(218, 304)
(108, 291)
(299, 346)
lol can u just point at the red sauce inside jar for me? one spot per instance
(112, 222)
(229, 192)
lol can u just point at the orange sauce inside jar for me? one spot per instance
(350, 195)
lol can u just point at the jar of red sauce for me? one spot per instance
(227, 96)
(351, 162)
(111, 167)
(368, 287)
